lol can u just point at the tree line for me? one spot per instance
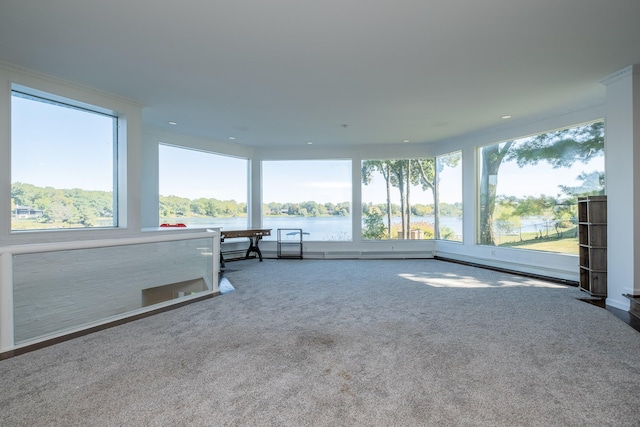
(176, 207)
(308, 208)
(85, 208)
(453, 210)
(66, 207)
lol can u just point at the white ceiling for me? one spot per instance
(284, 72)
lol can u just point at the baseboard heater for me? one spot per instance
(368, 255)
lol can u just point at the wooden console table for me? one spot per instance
(254, 235)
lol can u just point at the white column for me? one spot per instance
(469, 195)
(5, 154)
(255, 193)
(6, 301)
(622, 167)
(356, 200)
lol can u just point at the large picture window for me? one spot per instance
(398, 199)
(314, 195)
(202, 189)
(63, 163)
(413, 199)
(528, 187)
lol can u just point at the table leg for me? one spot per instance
(253, 247)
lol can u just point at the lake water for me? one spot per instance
(314, 228)
(338, 228)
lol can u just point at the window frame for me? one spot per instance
(118, 149)
(437, 200)
(516, 140)
(310, 237)
(247, 199)
(414, 235)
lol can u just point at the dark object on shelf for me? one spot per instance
(290, 242)
(592, 239)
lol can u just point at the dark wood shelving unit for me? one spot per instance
(592, 239)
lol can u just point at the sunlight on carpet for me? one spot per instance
(225, 286)
(472, 282)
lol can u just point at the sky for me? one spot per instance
(322, 181)
(197, 174)
(541, 178)
(50, 148)
(450, 189)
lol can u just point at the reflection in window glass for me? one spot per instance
(314, 195)
(398, 199)
(448, 200)
(202, 189)
(529, 187)
(63, 165)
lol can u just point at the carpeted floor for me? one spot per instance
(344, 343)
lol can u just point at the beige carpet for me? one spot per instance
(344, 343)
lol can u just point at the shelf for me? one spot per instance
(290, 243)
(592, 241)
(594, 282)
(593, 258)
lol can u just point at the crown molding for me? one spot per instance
(12, 68)
(631, 70)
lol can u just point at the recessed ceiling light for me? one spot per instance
(232, 138)
(406, 140)
(506, 117)
(309, 143)
(173, 123)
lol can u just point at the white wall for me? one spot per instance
(623, 184)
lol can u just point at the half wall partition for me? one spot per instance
(56, 289)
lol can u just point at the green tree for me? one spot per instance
(451, 209)
(343, 209)
(429, 171)
(592, 185)
(492, 157)
(373, 224)
(382, 167)
(174, 206)
(505, 218)
(73, 207)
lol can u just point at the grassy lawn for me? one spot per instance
(567, 244)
